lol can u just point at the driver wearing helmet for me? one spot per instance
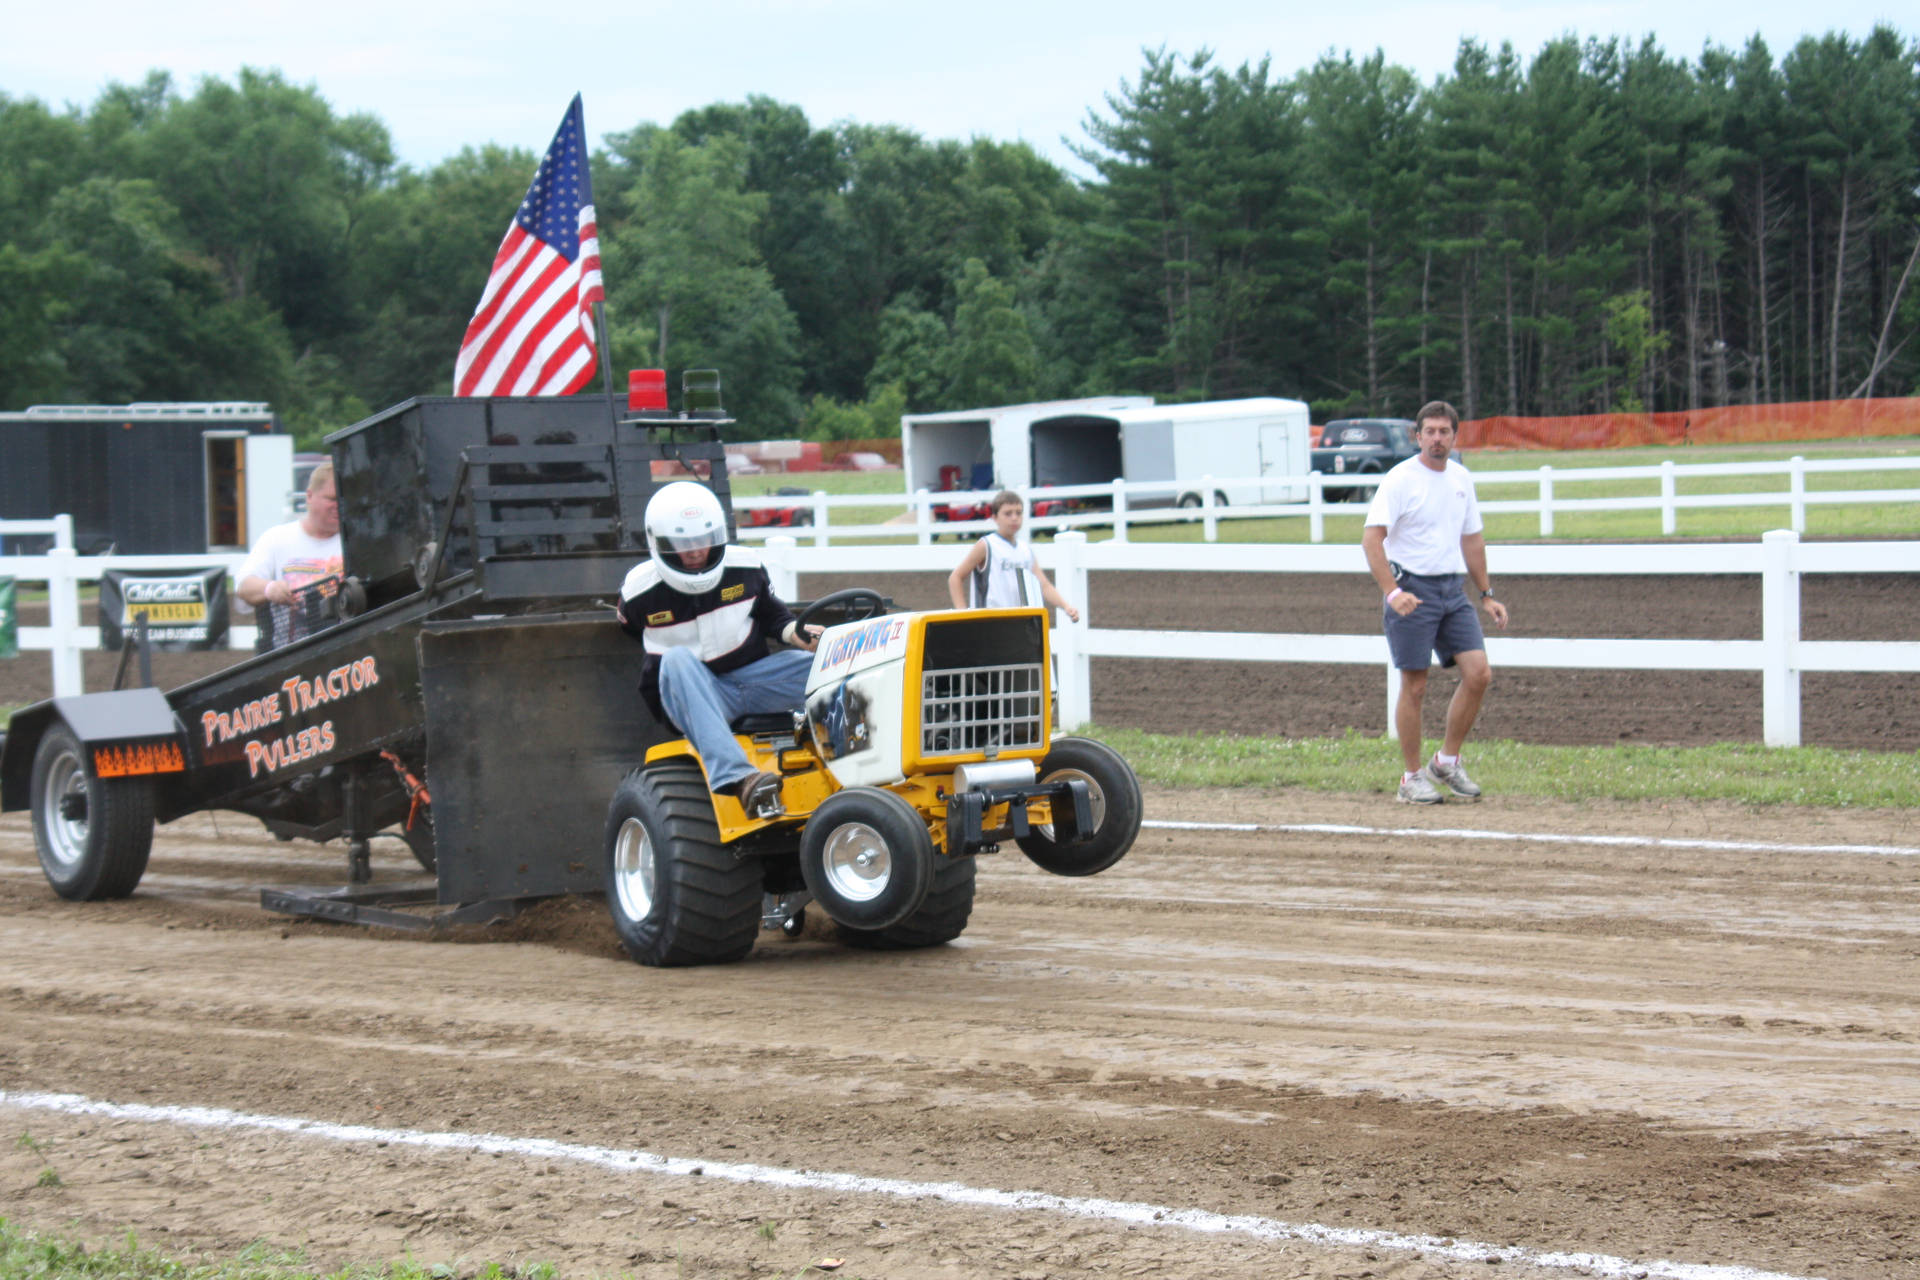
(705, 610)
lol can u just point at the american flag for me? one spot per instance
(532, 334)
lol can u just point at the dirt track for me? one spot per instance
(1637, 1051)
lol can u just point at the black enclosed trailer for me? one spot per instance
(149, 479)
(473, 689)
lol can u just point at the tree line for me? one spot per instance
(1601, 228)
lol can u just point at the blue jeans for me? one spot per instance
(703, 703)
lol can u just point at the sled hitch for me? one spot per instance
(967, 810)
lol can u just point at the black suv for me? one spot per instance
(1361, 446)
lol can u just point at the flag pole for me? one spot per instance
(606, 360)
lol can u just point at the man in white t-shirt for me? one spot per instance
(1422, 540)
(294, 555)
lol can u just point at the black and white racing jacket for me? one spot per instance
(728, 626)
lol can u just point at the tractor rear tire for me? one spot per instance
(677, 895)
(1115, 795)
(867, 858)
(93, 834)
(942, 917)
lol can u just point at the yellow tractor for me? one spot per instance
(926, 741)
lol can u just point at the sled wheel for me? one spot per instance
(419, 838)
(678, 896)
(93, 835)
(867, 858)
(1113, 793)
(942, 917)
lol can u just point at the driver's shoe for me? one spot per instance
(759, 795)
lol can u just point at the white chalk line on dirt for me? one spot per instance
(1131, 1213)
(1541, 837)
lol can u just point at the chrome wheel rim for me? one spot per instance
(66, 837)
(857, 862)
(633, 869)
(1096, 799)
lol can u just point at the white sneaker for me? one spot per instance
(1454, 778)
(1418, 788)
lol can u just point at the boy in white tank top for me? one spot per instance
(998, 572)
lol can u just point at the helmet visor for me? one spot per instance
(691, 553)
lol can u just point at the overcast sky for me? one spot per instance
(443, 75)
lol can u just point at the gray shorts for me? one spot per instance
(1446, 623)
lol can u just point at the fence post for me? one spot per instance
(1546, 502)
(1071, 661)
(777, 554)
(820, 517)
(1797, 491)
(923, 517)
(63, 617)
(1667, 522)
(1207, 518)
(1119, 510)
(1779, 637)
(1316, 507)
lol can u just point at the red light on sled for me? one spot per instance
(647, 390)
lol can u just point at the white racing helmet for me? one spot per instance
(684, 519)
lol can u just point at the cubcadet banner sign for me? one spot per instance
(9, 621)
(184, 608)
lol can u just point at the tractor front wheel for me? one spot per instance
(93, 834)
(942, 917)
(1113, 794)
(867, 858)
(677, 895)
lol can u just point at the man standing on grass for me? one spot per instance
(1422, 541)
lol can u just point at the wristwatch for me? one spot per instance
(1487, 594)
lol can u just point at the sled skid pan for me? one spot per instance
(375, 907)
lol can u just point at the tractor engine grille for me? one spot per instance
(983, 685)
(975, 709)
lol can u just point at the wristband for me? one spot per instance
(1391, 594)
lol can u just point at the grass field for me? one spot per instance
(1745, 773)
(28, 1255)
(1886, 520)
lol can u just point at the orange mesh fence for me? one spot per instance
(831, 451)
(1732, 424)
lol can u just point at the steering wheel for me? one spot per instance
(858, 603)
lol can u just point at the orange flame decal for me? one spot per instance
(133, 760)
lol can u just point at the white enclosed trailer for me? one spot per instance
(1236, 442)
(1065, 442)
(995, 448)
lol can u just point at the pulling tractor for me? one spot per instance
(925, 741)
(474, 696)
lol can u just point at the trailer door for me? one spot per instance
(226, 488)
(1276, 459)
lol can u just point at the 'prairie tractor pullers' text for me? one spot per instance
(300, 694)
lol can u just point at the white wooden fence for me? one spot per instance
(1779, 558)
(63, 571)
(1125, 500)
